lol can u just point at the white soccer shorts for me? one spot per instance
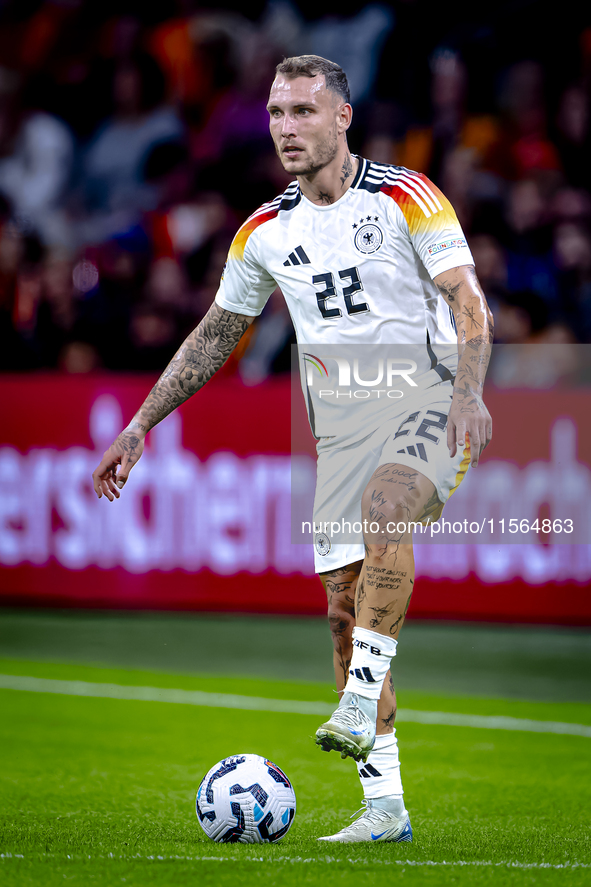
(416, 439)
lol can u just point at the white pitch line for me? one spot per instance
(287, 706)
(163, 694)
(493, 722)
(326, 860)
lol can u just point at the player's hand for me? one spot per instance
(469, 420)
(111, 474)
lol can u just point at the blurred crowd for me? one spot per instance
(134, 141)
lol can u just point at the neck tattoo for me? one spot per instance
(325, 198)
(346, 169)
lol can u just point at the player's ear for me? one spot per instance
(345, 116)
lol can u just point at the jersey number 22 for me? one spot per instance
(330, 292)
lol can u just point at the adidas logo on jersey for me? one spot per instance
(412, 451)
(297, 257)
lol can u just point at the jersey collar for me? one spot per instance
(360, 171)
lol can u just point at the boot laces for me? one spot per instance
(350, 716)
(370, 814)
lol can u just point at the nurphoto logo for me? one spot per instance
(386, 372)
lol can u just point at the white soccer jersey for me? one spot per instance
(358, 271)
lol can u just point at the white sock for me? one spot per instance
(372, 653)
(380, 776)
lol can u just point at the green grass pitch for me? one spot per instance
(101, 791)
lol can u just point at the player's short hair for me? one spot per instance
(310, 66)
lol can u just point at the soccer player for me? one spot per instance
(366, 255)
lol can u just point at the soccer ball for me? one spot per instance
(245, 799)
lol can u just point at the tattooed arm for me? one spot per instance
(468, 415)
(201, 355)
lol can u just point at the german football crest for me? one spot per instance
(368, 238)
(322, 543)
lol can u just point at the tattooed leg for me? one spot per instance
(394, 496)
(386, 707)
(342, 588)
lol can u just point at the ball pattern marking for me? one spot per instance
(245, 799)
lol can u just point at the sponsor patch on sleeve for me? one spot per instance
(435, 248)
